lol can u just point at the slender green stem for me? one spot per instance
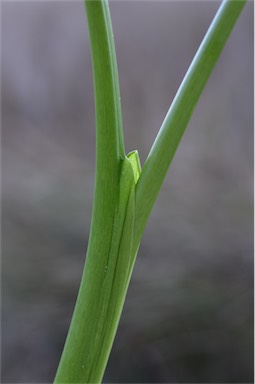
(93, 324)
(124, 195)
(178, 116)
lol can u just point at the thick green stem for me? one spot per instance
(99, 304)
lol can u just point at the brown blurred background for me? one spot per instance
(188, 316)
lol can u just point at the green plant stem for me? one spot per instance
(93, 328)
(124, 196)
(178, 116)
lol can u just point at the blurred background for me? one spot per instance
(188, 316)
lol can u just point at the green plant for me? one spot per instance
(125, 193)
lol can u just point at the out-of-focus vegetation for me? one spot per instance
(189, 311)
